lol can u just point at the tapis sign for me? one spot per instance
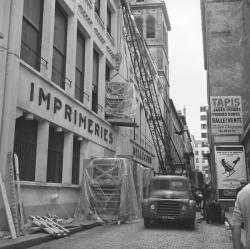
(226, 115)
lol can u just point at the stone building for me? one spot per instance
(226, 39)
(55, 59)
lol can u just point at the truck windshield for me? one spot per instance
(178, 185)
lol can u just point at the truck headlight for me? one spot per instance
(152, 206)
(184, 208)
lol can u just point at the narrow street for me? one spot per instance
(134, 236)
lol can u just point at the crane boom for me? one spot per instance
(146, 76)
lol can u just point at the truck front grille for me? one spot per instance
(168, 208)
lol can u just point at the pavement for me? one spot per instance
(229, 221)
(29, 240)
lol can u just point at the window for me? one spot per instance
(55, 156)
(109, 19)
(59, 47)
(76, 161)
(203, 117)
(203, 126)
(204, 135)
(150, 27)
(32, 32)
(95, 82)
(97, 7)
(139, 1)
(25, 147)
(107, 73)
(203, 108)
(79, 70)
(197, 160)
(139, 24)
(196, 152)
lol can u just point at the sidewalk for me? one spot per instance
(29, 240)
(243, 232)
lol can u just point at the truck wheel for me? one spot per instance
(147, 222)
(191, 224)
(222, 218)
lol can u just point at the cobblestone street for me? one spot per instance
(134, 236)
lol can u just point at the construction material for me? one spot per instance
(7, 209)
(108, 192)
(19, 195)
(12, 188)
(49, 226)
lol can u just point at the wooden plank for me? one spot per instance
(19, 195)
(7, 209)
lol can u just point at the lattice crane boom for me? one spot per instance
(146, 78)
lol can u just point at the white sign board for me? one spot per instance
(226, 115)
(230, 166)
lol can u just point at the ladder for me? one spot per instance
(146, 77)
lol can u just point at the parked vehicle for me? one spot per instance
(170, 198)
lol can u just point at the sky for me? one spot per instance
(187, 76)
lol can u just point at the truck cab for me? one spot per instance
(169, 199)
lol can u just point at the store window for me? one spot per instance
(25, 144)
(139, 24)
(79, 70)
(59, 47)
(32, 33)
(95, 81)
(76, 161)
(150, 31)
(55, 156)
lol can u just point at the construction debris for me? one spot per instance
(49, 225)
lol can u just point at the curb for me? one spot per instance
(25, 242)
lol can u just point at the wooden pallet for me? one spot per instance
(49, 226)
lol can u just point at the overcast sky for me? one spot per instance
(186, 63)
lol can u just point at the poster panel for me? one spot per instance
(120, 102)
(226, 115)
(230, 168)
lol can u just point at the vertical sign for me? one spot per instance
(226, 115)
(230, 168)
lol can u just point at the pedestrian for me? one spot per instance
(207, 192)
(241, 214)
(243, 183)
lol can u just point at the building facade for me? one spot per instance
(56, 57)
(226, 42)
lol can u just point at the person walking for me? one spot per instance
(241, 214)
(243, 183)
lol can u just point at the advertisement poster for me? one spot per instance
(230, 168)
(120, 102)
(226, 115)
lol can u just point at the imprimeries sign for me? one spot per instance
(226, 115)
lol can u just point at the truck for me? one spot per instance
(170, 199)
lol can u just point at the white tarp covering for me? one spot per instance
(108, 191)
(120, 101)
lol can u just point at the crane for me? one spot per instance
(146, 76)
